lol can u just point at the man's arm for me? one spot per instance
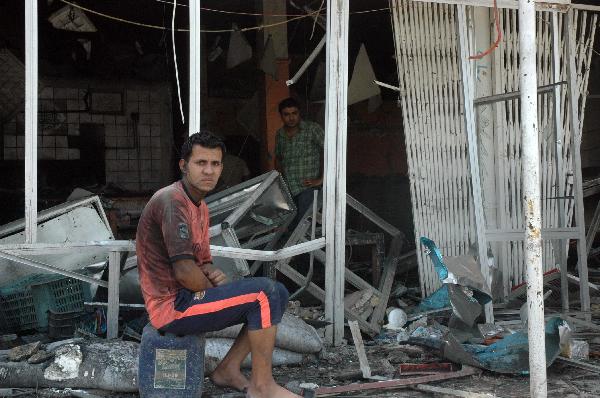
(195, 278)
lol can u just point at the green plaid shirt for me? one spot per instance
(300, 155)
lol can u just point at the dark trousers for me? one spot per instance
(303, 201)
(257, 302)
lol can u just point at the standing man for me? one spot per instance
(185, 294)
(299, 155)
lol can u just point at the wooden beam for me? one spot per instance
(360, 349)
(335, 165)
(465, 31)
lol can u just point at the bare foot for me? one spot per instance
(228, 377)
(272, 390)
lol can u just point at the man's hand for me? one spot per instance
(214, 275)
(312, 182)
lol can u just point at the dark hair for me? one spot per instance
(288, 103)
(205, 139)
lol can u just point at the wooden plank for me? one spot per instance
(360, 349)
(112, 312)
(466, 371)
(31, 119)
(387, 280)
(451, 392)
(335, 165)
(561, 248)
(464, 32)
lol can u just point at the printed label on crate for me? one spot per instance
(169, 369)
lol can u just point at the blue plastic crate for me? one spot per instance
(25, 302)
(59, 295)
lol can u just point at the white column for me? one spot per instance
(335, 165)
(195, 76)
(485, 116)
(531, 198)
(31, 119)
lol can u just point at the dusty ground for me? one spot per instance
(563, 381)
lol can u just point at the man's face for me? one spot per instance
(203, 169)
(290, 116)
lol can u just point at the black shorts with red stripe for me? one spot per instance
(257, 302)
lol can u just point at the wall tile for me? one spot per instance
(61, 142)
(10, 141)
(62, 154)
(74, 153)
(10, 153)
(47, 153)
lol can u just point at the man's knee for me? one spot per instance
(284, 295)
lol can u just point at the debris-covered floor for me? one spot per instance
(396, 342)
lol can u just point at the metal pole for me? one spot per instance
(531, 198)
(335, 165)
(31, 119)
(560, 248)
(195, 75)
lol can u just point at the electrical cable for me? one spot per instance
(498, 35)
(175, 60)
(257, 27)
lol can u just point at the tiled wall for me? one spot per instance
(63, 110)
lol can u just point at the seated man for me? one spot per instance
(185, 294)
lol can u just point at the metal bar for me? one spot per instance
(576, 280)
(267, 255)
(575, 125)
(469, 119)
(129, 246)
(231, 240)
(368, 213)
(31, 119)
(307, 63)
(239, 212)
(385, 85)
(195, 69)
(112, 313)
(505, 235)
(531, 198)
(561, 247)
(585, 7)
(51, 268)
(57, 248)
(540, 5)
(335, 165)
(490, 99)
(593, 229)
